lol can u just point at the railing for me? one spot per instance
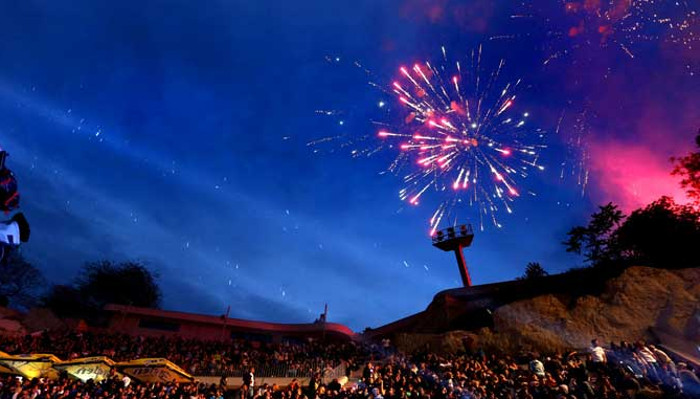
(450, 233)
(281, 371)
(336, 373)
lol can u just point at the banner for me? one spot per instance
(154, 370)
(4, 369)
(95, 368)
(31, 366)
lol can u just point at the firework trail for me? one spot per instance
(460, 138)
(619, 23)
(575, 166)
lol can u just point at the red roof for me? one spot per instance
(250, 325)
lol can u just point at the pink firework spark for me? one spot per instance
(463, 136)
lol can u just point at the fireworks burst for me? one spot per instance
(462, 132)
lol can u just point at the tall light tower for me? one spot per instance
(455, 239)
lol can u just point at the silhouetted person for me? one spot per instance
(249, 383)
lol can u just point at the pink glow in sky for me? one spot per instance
(633, 176)
(631, 142)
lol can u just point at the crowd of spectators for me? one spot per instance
(112, 388)
(197, 357)
(619, 371)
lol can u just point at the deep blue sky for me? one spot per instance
(175, 132)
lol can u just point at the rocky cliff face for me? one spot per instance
(639, 299)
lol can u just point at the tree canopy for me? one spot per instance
(129, 283)
(662, 234)
(534, 270)
(20, 281)
(596, 241)
(102, 283)
(688, 168)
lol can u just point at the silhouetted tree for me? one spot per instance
(129, 283)
(688, 167)
(20, 281)
(596, 241)
(534, 270)
(66, 301)
(102, 283)
(663, 234)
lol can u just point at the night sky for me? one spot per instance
(175, 132)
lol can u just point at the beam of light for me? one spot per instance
(69, 124)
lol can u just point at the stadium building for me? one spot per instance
(155, 322)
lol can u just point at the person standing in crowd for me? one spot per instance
(314, 384)
(689, 380)
(598, 357)
(536, 366)
(647, 357)
(667, 367)
(368, 372)
(386, 346)
(334, 386)
(249, 383)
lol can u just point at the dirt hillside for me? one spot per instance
(639, 299)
